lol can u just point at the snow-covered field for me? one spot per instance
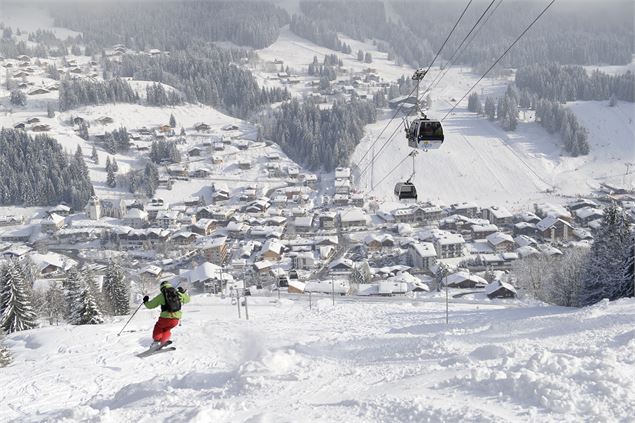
(481, 162)
(388, 360)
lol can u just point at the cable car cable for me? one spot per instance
(499, 59)
(413, 90)
(458, 50)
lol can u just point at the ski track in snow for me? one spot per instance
(360, 361)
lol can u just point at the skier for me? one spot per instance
(170, 300)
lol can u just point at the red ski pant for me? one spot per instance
(162, 328)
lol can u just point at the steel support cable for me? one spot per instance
(500, 58)
(457, 53)
(413, 90)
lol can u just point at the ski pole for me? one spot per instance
(124, 326)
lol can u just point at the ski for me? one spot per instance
(156, 350)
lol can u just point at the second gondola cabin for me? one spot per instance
(406, 191)
(425, 134)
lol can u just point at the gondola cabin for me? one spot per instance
(425, 134)
(406, 191)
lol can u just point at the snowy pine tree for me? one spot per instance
(116, 290)
(74, 286)
(605, 273)
(15, 300)
(490, 108)
(94, 156)
(88, 312)
(172, 121)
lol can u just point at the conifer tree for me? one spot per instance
(490, 108)
(16, 311)
(74, 285)
(114, 165)
(172, 121)
(50, 112)
(116, 290)
(605, 273)
(94, 156)
(5, 356)
(87, 312)
(111, 179)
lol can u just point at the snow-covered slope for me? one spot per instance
(481, 162)
(389, 360)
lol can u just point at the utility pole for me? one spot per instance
(333, 289)
(238, 300)
(445, 274)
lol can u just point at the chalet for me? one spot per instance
(249, 194)
(546, 209)
(327, 220)
(206, 276)
(524, 228)
(11, 220)
(184, 238)
(340, 200)
(143, 238)
(428, 214)
(242, 145)
(497, 215)
(52, 264)
(501, 242)
(549, 250)
(353, 217)
(422, 255)
(229, 127)
(526, 216)
(168, 218)
(582, 234)
(60, 210)
(262, 268)
(553, 228)
(465, 209)
(272, 250)
(524, 240)
(194, 151)
(244, 164)
(406, 103)
(293, 172)
(52, 223)
(258, 206)
(342, 173)
(204, 226)
(20, 74)
(215, 250)
(581, 203)
(588, 214)
(20, 125)
(463, 279)
(500, 289)
(341, 265)
(136, 218)
(303, 223)
(16, 252)
(483, 231)
(200, 127)
(73, 235)
(342, 186)
(220, 196)
(448, 245)
(150, 273)
(303, 260)
(218, 146)
(201, 172)
(237, 229)
(177, 170)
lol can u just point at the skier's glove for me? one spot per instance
(181, 290)
(146, 299)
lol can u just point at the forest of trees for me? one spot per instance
(322, 20)
(203, 74)
(80, 92)
(552, 115)
(37, 172)
(570, 83)
(598, 33)
(170, 26)
(317, 138)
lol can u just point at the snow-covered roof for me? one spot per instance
(586, 212)
(485, 228)
(496, 285)
(499, 212)
(151, 269)
(447, 238)
(353, 215)
(499, 237)
(341, 261)
(523, 240)
(135, 213)
(526, 251)
(424, 249)
(304, 221)
(458, 277)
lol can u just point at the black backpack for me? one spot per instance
(172, 299)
